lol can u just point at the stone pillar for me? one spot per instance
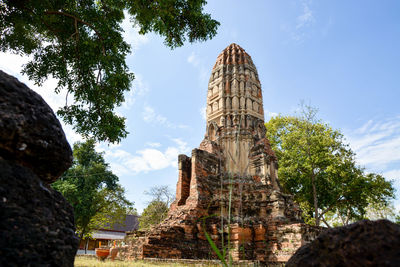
(183, 185)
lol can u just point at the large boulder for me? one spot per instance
(30, 132)
(36, 222)
(365, 243)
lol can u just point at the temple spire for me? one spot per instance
(235, 114)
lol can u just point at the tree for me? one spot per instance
(153, 214)
(376, 211)
(157, 209)
(93, 191)
(371, 199)
(397, 218)
(161, 193)
(318, 168)
(80, 43)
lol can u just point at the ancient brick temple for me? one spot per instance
(229, 186)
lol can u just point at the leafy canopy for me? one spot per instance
(318, 168)
(153, 214)
(157, 209)
(93, 191)
(80, 43)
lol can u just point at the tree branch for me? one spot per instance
(78, 20)
(327, 224)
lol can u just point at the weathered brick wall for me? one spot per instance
(229, 187)
(260, 222)
(284, 239)
(183, 185)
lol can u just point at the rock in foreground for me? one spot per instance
(36, 222)
(365, 243)
(30, 132)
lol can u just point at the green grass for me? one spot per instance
(93, 262)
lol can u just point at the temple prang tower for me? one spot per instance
(235, 115)
(233, 164)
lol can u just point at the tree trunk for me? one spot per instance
(347, 217)
(327, 224)
(86, 244)
(81, 237)
(315, 199)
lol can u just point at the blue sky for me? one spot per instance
(343, 57)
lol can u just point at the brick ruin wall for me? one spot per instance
(263, 224)
(229, 187)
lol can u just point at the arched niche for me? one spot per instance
(242, 103)
(235, 102)
(228, 103)
(222, 121)
(215, 90)
(235, 87)
(261, 130)
(215, 106)
(212, 131)
(255, 106)
(254, 90)
(249, 104)
(241, 88)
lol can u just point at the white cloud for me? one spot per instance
(131, 33)
(71, 135)
(392, 175)
(397, 207)
(182, 145)
(145, 160)
(193, 59)
(152, 117)
(203, 113)
(139, 88)
(365, 127)
(306, 18)
(12, 65)
(269, 115)
(377, 143)
(196, 62)
(298, 29)
(151, 144)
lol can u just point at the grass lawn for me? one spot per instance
(93, 262)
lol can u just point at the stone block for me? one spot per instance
(31, 134)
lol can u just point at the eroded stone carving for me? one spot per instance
(36, 222)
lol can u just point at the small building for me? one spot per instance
(108, 235)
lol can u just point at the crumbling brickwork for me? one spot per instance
(229, 187)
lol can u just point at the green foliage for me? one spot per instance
(157, 209)
(92, 190)
(377, 210)
(397, 219)
(153, 214)
(84, 261)
(221, 256)
(318, 168)
(80, 43)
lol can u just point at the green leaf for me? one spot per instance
(80, 44)
(92, 190)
